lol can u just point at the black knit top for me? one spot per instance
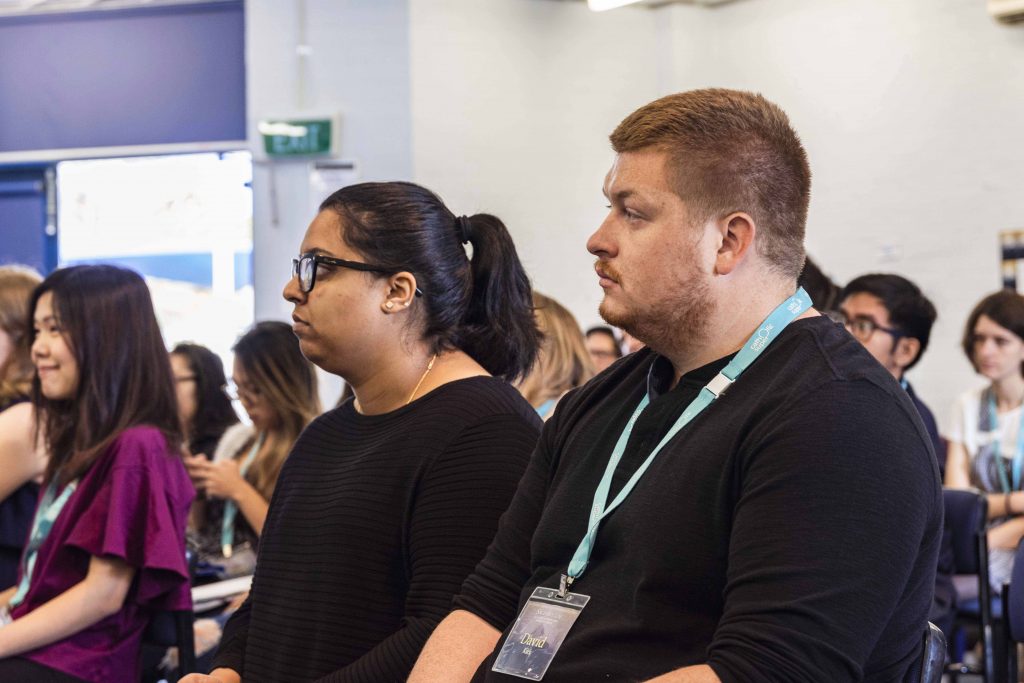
(375, 522)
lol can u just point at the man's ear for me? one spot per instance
(738, 231)
(906, 351)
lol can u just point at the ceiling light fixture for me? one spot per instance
(602, 5)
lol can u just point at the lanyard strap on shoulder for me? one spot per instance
(227, 525)
(1018, 453)
(46, 514)
(766, 333)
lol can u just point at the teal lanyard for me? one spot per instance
(766, 333)
(227, 525)
(46, 515)
(544, 408)
(1018, 453)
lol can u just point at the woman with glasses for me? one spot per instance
(388, 501)
(107, 545)
(277, 387)
(986, 439)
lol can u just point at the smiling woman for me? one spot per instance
(107, 547)
(388, 501)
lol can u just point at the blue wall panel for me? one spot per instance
(131, 77)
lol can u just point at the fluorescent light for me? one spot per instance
(602, 5)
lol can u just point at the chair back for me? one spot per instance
(173, 628)
(933, 660)
(967, 515)
(1013, 606)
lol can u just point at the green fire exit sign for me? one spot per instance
(297, 137)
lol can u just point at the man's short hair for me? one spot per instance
(728, 151)
(910, 311)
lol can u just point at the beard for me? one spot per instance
(675, 322)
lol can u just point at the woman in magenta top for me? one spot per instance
(107, 546)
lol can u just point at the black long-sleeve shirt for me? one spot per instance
(375, 522)
(789, 533)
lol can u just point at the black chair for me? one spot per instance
(933, 658)
(174, 629)
(1013, 612)
(967, 513)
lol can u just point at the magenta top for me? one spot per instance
(132, 504)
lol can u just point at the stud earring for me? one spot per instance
(389, 305)
(407, 304)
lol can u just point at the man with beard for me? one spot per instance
(750, 498)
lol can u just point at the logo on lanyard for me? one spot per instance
(762, 338)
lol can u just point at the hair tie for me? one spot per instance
(465, 229)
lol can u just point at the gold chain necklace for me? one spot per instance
(430, 365)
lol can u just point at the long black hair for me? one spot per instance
(214, 412)
(481, 305)
(106, 316)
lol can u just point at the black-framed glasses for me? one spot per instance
(862, 326)
(305, 268)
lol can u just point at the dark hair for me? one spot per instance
(1005, 308)
(909, 309)
(730, 150)
(106, 317)
(270, 355)
(482, 305)
(214, 412)
(605, 330)
(824, 292)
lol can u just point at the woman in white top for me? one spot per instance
(986, 442)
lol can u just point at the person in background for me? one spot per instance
(563, 363)
(603, 347)
(893, 319)
(277, 387)
(890, 316)
(203, 402)
(22, 459)
(107, 547)
(986, 437)
(388, 501)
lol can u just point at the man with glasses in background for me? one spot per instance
(890, 316)
(893, 319)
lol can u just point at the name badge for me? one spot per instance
(538, 633)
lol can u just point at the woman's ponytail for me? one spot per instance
(499, 329)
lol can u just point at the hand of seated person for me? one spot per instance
(215, 676)
(220, 479)
(194, 464)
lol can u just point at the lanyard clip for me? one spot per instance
(563, 585)
(719, 384)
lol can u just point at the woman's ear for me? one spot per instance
(401, 292)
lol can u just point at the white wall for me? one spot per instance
(358, 65)
(910, 112)
(912, 115)
(512, 104)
